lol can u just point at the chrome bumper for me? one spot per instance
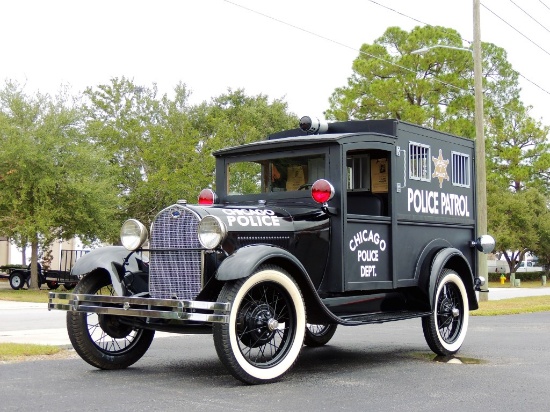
(141, 307)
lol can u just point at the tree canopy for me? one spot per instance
(162, 147)
(55, 182)
(435, 89)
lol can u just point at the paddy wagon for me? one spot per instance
(326, 225)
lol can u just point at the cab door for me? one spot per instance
(367, 249)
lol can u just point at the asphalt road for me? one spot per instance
(384, 367)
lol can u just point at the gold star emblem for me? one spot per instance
(440, 171)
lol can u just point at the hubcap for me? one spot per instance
(258, 320)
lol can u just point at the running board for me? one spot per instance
(379, 317)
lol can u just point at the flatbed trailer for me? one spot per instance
(18, 277)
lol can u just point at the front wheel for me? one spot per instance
(266, 326)
(100, 339)
(319, 335)
(445, 329)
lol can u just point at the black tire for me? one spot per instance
(17, 280)
(266, 326)
(102, 340)
(319, 335)
(69, 286)
(52, 284)
(446, 328)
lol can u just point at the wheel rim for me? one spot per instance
(16, 281)
(107, 333)
(450, 312)
(266, 323)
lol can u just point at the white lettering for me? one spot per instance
(368, 271)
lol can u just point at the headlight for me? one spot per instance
(212, 232)
(133, 234)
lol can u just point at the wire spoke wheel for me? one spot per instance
(103, 340)
(107, 333)
(264, 336)
(446, 328)
(319, 334)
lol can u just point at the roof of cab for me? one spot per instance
(336, 131)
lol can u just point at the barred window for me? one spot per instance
(419, 162)
(461, 169)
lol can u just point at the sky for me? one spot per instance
(297, 50)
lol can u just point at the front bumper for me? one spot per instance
(171, 309)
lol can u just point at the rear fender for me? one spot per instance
(110, 259)
(247, 259)
(452, 258)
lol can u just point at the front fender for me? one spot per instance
(107, 258)
(247, 259)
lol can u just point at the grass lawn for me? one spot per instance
(513, 306)
(10, 352)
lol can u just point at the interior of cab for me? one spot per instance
(368, 177)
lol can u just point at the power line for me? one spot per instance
(359, 50)
(411, 18)
(540, 1)
(488, 9)
(532, 18)
(336, 42)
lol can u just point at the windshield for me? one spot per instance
(280, 174)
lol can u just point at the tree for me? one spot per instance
(542, 250)
(163, 147)
(516, 220)
(55, 182)
(436, 90)
(518, 150)
(120, 117)
(433, 90)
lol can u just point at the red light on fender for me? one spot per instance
(207, 197)
(322, 191)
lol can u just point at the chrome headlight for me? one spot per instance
(133, 234)
(212, 231)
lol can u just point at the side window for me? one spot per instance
(419, 162)
(460, 169)
(368, 176)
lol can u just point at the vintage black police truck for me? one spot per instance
(347, 223)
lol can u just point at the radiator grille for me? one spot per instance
(175, 273)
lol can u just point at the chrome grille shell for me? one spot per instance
(176, 259)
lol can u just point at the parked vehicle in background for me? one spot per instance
(528, 266)
(52, 278)
(347, 223)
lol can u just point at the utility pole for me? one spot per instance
(481, 174)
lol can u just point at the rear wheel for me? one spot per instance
(17, 280)
(446, 328)
(101, 339)
(319, 335)
(52, 284)
(266, 326)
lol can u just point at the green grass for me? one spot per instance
(513, 306)
(17, 351)
(25, 295)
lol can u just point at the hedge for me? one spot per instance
(495, 277)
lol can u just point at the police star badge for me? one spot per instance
(440, 171)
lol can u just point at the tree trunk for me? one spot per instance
(34, 265)
(24, 255)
